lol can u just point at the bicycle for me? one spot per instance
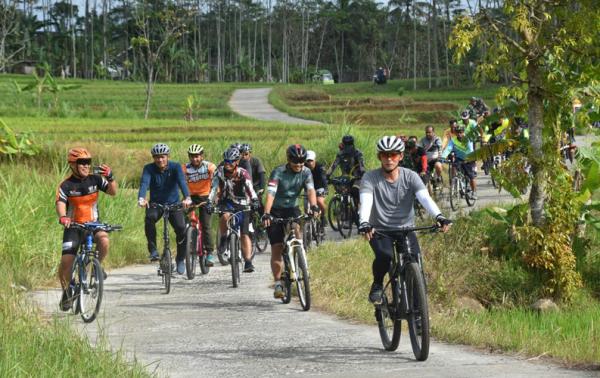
(260, 239)
(233, 251)
(295, 263)
(460, 186)
(404, 296)
(312, 229)
(87, 278)
(165, 265)
(342, 207)
(194, 244)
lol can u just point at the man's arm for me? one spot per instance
(144, 183)
(182, 182)
(333, 166)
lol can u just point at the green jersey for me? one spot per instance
(286, 185)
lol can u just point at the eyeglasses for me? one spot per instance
(297, 160)
(84, 161)
(226, 161)
(388, 155)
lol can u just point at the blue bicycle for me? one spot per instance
(87, 278)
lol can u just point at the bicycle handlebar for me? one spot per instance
(290, 220)
(167, 206)
(97, 226)
(404, 230)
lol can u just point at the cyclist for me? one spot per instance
(232, 188)
(77, 201)
(478, 109)
(285, 184)
(449, 133)
(351, 162)
(460, 146)
(257, 169)
(387, 196)
(432, 145)
(199, 175)
(320, 181)
(164, 179)
(415, 159)
(472, 130)
(243, 162)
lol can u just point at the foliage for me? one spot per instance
(12, 143)
(45, 84)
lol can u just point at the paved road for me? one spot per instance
(207, 328)
(254, 103)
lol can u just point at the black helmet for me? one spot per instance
(236, 145)
(231, 154)
(296, 152)
(245, 147)
(348, 140)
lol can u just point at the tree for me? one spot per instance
(551, 46)
(9, 26)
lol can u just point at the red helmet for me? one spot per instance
(78, 153)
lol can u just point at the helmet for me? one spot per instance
(245, 147)
(236, 145)
(452, 121)
(411, 142)
(296, 151)
(311, 155)
(465, 115)
(459, 129)
(473, 99)
(78, 153)
(195, 149)
(160, 149)
(231, 154)
(348, 140)
(390, 144)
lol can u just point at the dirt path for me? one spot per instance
(254, 103)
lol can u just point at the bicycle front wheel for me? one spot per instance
(388, 321)
(234, 259)
(418, 312)
(166, 267)
(468, 193)
(454, 193)
(346, 219)
(333, 212)
(91, 286)
(191, 255)
(302, 278)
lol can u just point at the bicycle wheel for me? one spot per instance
(260, 238)
(468, 193)
(223, 256)
(166, 267)
(91, 289)
(75, 286)
(333, 212)
(307, 236)
(388, 321)
(454, 193)
(287, 282)
(234, 259)
(191, 255)
(418, 312)
(302, 278)
(346, 219)
(315, 228)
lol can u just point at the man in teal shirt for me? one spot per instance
(460, 146)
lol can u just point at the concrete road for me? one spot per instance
(254, 103)
(207, 328)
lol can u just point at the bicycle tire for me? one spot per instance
(346, 220)
(74, 287)
(470, 200)
(287, 282)
(234, 245)
(418, 311)
(307, 235)
(166, 267)
(260, 238)
(388, 321)
(302, 278)
(191, 255)
(316, 231)
(333, 211)
(90, 295)
(454, 193)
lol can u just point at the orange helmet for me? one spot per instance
(78, 153)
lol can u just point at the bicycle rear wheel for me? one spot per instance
(388, 321)
(307, 236)
(454, 193)
(346, 219)
(166, 267)
(191, 255)
(260, 238)
(302, 278)
(234, 259)
(91, 284)
(468, 193)
(333, 212)
(286, 280)
(418, 311)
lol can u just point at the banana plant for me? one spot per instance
(44, 84)
(12, 143)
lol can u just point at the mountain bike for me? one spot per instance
(460, 186)
(312, 228)
(165, 265)
(404, 296)
(233, 249)
(342, 209)
(295, 263)
(194, 244)
(260, 239)
(435, 183)
(87, 278)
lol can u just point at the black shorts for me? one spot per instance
(276, 231)
(72, 238)
(468, 168)
(243, 219)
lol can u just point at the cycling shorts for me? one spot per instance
(468, 168)
(72, 239)
(276, 232)
(242, 219)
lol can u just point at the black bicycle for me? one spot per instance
(295, 263)
(260, 239)
(404, 296)
(165, 265)
(341, 211)
(460, 186)
(87, 278)
(233, 250)
(312, 228)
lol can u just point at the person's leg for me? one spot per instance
(152, 216)
(177, 221)
(102, 243)
(207, 239)
(383, 249)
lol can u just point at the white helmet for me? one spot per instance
(311, 155)
(195, 149)
(390, 144)
(160, 149)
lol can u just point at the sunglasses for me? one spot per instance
(297, 160)
(387, 155)
(229, 161)
(84, 161)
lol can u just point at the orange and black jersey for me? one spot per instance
(81, 196)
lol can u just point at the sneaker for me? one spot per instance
(104, 275)
(66, 302)
(278, 293)
(180, 267)
(474, 195)
(210, 259)
(154, 256)
(376, 293)
(248, 267)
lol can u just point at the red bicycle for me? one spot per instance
(194, 247)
